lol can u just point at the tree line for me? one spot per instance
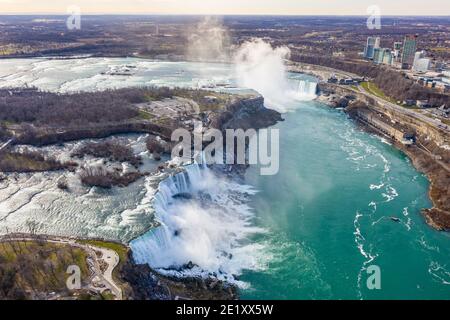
(394, 84)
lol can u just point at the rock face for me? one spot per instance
(146, 284)
(243, 114)
(47, 136)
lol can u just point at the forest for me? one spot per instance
(78, 109)
(48, 109)
(113, 151)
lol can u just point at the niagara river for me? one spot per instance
(309, 232)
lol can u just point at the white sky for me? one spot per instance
(297, 7)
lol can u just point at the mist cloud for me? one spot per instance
(209, 40)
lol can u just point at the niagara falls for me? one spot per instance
(253, 231)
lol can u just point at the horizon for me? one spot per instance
(227, 7)
(223, 15)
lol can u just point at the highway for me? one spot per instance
(417, 115)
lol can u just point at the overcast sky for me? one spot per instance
(298, 7)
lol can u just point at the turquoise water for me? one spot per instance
(328, 212)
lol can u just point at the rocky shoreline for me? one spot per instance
(426, 155)
(147, 283)
(238, 112)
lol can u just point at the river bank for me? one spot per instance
(329, 207)
(143, 282)
(108, 272)
(398, 129)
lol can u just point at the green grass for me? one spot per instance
(373, 89)
(27, 162)
(144, 115)
(7, 122)
(40, 265)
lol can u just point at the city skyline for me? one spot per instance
(229, 7)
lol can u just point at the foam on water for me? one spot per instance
(369, 257)
(211, 230)
(117, 214)
(92, 74)
(215, 229)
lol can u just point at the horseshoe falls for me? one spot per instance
(310, 232)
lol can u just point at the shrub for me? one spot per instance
(102, 178)
(112, 150)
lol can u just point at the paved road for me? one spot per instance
(112, 259)
(416, 115)
(109, 256)
(321, 70)
(436, 123)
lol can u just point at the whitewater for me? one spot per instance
(309, 232)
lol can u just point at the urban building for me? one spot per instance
(409, 50)
(372, 44)
(377, 55)
(387, 56)
(442, 86)
(421, 63)
(440, 66)
(396, 53)
(377, 42)
(382, 55)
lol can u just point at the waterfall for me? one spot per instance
(204, 220)
(160, 239)
(307, 89)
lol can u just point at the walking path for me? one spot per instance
(109, 256)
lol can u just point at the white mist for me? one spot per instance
(261, 67)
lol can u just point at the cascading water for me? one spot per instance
(307, 89)
(204, 220)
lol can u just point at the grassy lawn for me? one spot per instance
(144, 115)
(37, 266)
(121, 250)
(22, 162)
(7, 123)
(373, 89)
